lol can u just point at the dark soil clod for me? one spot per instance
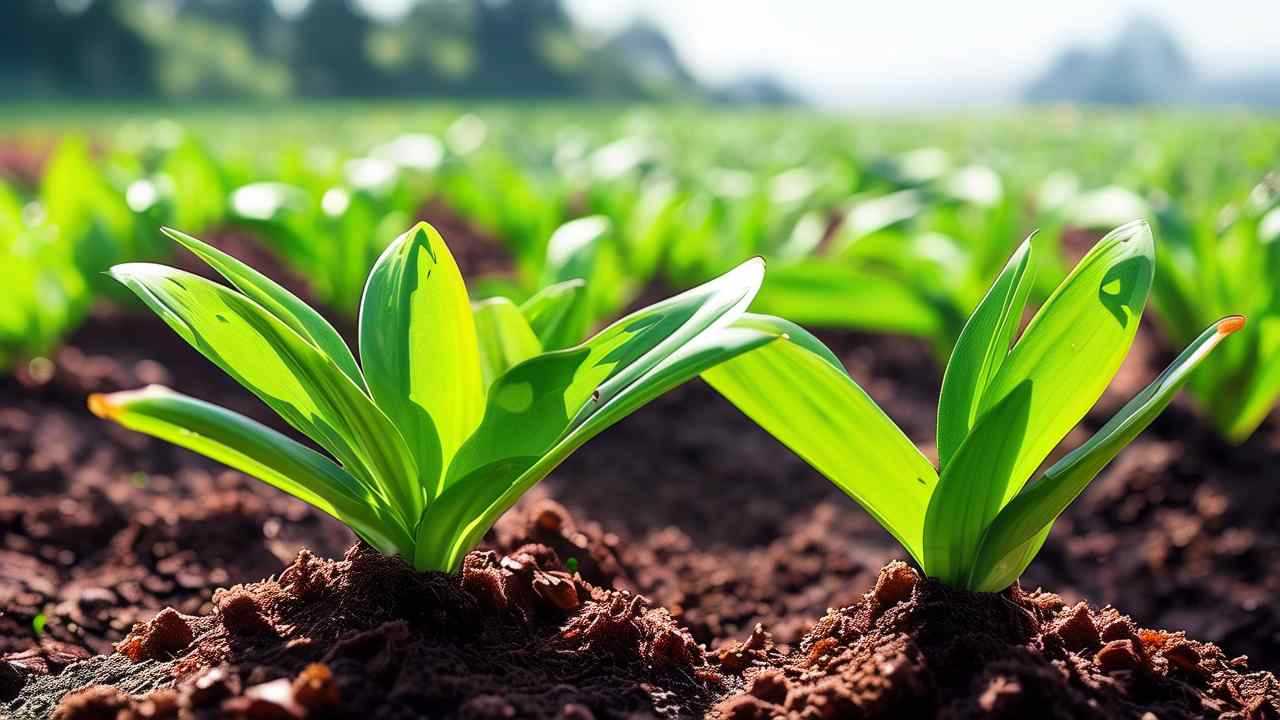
(368, 636)
(937, 652)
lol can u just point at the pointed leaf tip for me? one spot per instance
(1135, 229)
(100, 405)
(1228, 325)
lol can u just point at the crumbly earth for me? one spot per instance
(915, 648)
(520, 636)
(366, 636)
(101, 527)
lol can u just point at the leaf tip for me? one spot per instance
(1139, 228)
(179, 237)
(1228, 325)
(101, 405)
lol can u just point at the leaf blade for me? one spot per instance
(257, 450)
(558, 314)
(505, 338)
(419, 349)
(971, 490)
(1020, 528)
(296, 380)
(803, 397)
(1076, 342)
(980, 351)
(286, 306)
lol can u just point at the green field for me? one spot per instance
(886, 223)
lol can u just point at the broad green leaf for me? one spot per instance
(836, 294)
(286, 306)
(798, 392)
(631, 347)
(613, 359)
(558, 314)
(971, 489)
(542, 409)
(303, 385)
(1019, 530)
(980, 351)
(504, 335)
(419, 350)
(256, 450)
(1076, 342)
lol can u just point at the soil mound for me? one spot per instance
(366, 636)
(914, 648)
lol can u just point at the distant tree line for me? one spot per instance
(1144, 64)
(328, 49)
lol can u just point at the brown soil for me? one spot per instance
(366, 636)
(913, 648)
(100, 526)
(792, 544)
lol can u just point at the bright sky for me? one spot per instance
(846, 52)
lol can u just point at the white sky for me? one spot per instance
(917, 53)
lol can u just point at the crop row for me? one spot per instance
(858, 229)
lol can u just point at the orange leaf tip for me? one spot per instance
(101, 406)
(1228, 325)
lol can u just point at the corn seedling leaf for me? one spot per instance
(419, 350)
(1016, 534)
(971, 488)
(558, 314)
(1076, 342)
(799, 392)
(259, 451)
(286, 306)
(980, 352)
(289, 374)
(504, 335)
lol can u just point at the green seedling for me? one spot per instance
(451, 414)
(1221, 259)
(970, 522)
(46, 294)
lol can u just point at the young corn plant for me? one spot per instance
(970, 521)
(46, 295)
(1227, 259)
(452, 413)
